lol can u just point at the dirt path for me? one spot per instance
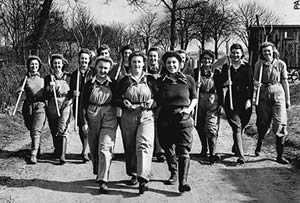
(260, 179)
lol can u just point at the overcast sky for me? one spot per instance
(119, 11)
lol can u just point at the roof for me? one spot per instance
(275, 27)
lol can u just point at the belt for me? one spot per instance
(269, 83)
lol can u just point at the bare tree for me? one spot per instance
(246, 14)
(17, 20)
(146, 29)
(222, 23)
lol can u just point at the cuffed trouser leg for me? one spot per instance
(94, 123)
(129, 123)
(144, 145)
(38, 121)
(107, 139)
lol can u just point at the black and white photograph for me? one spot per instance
(149, 101)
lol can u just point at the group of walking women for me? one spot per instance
(154, 104)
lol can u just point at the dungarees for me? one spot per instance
(102, 121)
(208, 112)
(137, 127)
(272, 103)
(58, 125)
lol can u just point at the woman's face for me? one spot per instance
(102, 68)
(126, 54)
(267, 53)
(153, 58)
(104, 52)
(236, 55)
(183, 59)
(34, 66)
(137, 65)
(172, 64)
(207, 60)
(57, 65)
(84, 60)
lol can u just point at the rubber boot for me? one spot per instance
(203, 140)
(258, 147)
(212, 144)
(63, 143)
(184, 165)
(172, 165)
(279, 149)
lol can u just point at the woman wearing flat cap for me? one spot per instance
(177, 99)
(208, 118)
(34, 105)
(58, 109)
(100, 119)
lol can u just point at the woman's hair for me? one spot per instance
(237, 46)
(101, 48)
(105, 59)
(266, 44)
(59, 56)
(33, 57)
(85, 51)
(153, 49)
(209, 53)
(136, 53)
(181, 51)
(128, 46)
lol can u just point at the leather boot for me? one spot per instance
(143, 185)
(279, 149)
(184, 165)
(212, 144)
(63, 143)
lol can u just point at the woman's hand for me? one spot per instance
(85, 129)
(248, 104)
(148, 104)
(256, 84)
(228, 83)
(76, 93)
(129, 105)
(186, 111)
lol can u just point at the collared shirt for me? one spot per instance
(98, 91)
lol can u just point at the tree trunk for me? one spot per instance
(216, 47)
(39, 30)
(173, 28)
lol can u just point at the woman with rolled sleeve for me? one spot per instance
(242, 92)
(59, 104)
(100, 119)
(177, 99)
(136, 98)
(34, 106)
(270, 75)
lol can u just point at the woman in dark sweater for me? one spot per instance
(242, 91)
(176, 99)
